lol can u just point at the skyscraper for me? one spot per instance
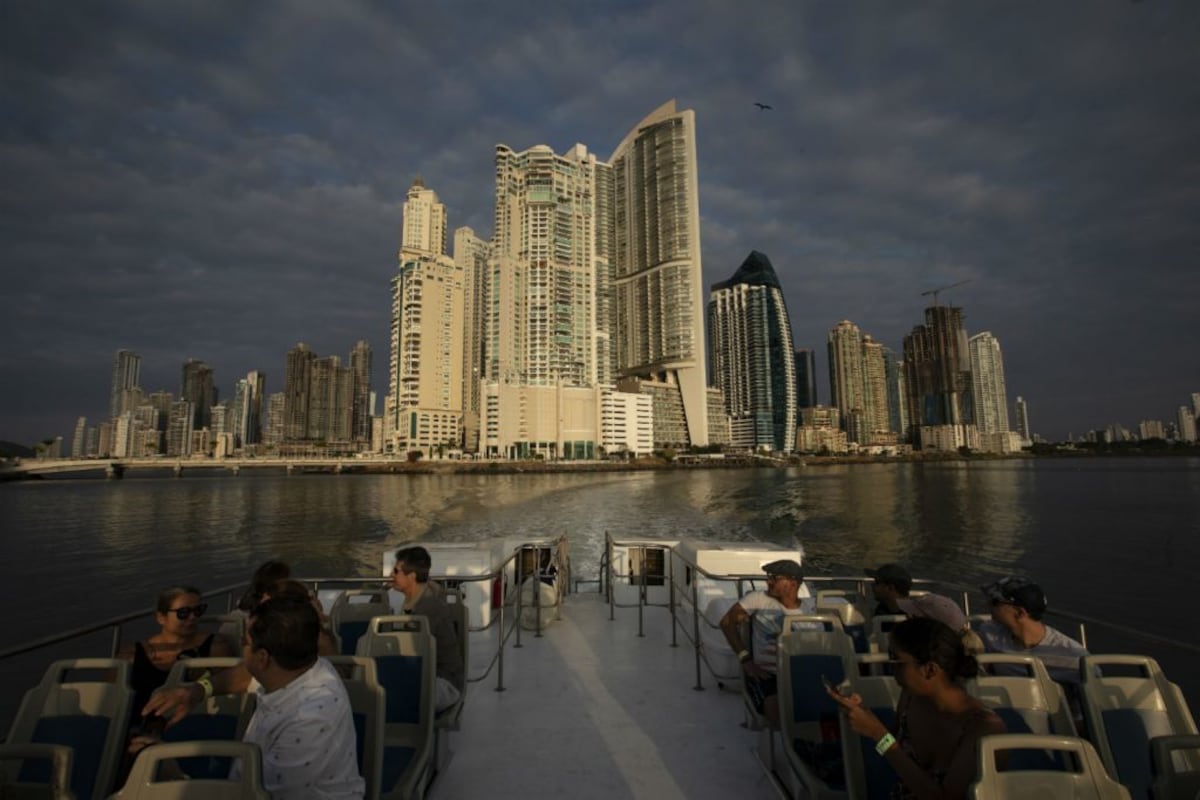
(987, 380)
(1185, 423)
(937, 370)
(127, 368)
(297, 386)
(360, 368)
(806, 378)
(256, 380)
(471, 255)
(658, 325)
(542, 286)
(424, 221)
(197, 387)
(875, 387)
(847, 382)
(78, 441)
(1021, 411)
(753, 356)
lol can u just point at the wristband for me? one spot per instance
(204, 683)
(743, 655)
(886, 743)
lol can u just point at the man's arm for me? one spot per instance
(174, 702)
(731, 626)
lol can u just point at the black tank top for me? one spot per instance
(146, 677)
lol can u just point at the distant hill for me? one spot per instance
(14, 450)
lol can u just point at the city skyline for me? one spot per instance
(170, 199)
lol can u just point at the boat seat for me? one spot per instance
(881, 628)
(57, 784)
(811, 646)
(352, 611)
(367, 706)
(869, 777)
(405, 654)
(145, 783)
(1176, 762)
(1125, 712)
(83, 704)
(1084, 780)
(847, 605)
(222, 717)
(231, 627)
(1020, 690)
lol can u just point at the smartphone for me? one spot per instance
(831, 688)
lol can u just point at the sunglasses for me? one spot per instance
(184, 612)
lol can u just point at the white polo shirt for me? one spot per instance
(767, 622)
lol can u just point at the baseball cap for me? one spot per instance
(785, 567)
(1020, 592)
(893, 575)
(934, 606)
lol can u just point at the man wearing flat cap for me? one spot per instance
(1017, 606)
(786, 594)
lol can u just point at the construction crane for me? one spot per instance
(934, 292)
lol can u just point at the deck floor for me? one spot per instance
(590, 710)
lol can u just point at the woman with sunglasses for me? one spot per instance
(932, 748)
(178, 615)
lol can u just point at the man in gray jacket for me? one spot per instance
(410, 576)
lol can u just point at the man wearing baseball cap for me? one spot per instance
(786, 594)
(1017, 606)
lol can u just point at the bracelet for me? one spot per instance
(204, 683)
(886, 743)
(743, 655)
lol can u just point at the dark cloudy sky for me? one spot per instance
(221, 180)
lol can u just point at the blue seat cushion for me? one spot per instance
(204, 728)
(85, 735)
(877, 772)
(350, 633)
(858, 635)
(395, 761)
(809, 700)
(1129, 731)
(400, 677)
(360, 737)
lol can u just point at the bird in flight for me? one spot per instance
(763, 107)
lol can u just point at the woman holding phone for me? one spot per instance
(938, 725)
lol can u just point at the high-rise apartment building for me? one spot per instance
(752, 356)
(330, 401)
(1196, 405)
(806, 378)
(297, 388)
(987, 381)
(858, 384)
(657, 324)
(471, 255)
(1021, 412)
(424, 221)
(937, 369)
(875, 390)
(1185, 424)
(198, 388)
(127, 369)
(180, 429)
(426, 378)
(256, 385)
(543, 332)
(78, 441)
(896, 407)
(360, 369)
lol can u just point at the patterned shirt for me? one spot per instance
(1057, 651)
(306, 733)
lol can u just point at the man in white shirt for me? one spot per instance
(786, 595)
(303, 722)
(1016, 626)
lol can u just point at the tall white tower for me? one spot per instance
(658, 326)
(990, 396)
(424, 221)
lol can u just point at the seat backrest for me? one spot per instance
(144, 782)
(367, 707)
(84, 704)
(231, 626)
(405, 655)
(881, 628)
(351, 612)
(847, 605)
(1128, 707)
(1021, 691)
(12, 763)
(1084, 779)
(1176, 762)
(222, 717)
(869, 777)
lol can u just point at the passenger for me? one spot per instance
(303, 721)
(938, 725)
(892, 586)
(295, 590)
(1017, 606)
(178, 614)
(267, 573)
(786, 595)
(410, 576)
